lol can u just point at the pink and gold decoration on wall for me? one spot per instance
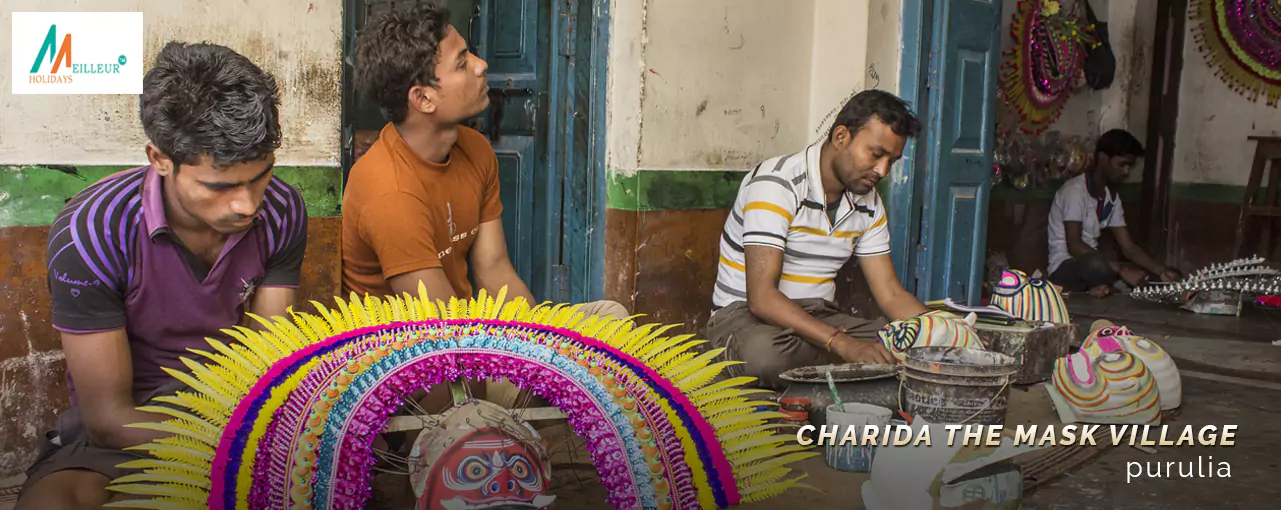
(1241, 41)
(1044, 66)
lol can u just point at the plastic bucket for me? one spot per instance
(852, 457)
(954, 385)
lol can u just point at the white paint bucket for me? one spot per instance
(853, 457)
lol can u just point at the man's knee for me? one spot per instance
(767, 369)
(607, 308)
(764, 359)
(73, 489)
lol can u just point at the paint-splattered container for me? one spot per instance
(957, 385)
(853, 457)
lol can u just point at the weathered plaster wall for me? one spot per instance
(299, 41)
(629, 39)
(1214, 121)
(86, 137)
(884, 42)
(733, 82)
(727, 84)
(1212, 161)
(836, 69)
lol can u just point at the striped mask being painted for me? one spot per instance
(931, 329)
(1030, 299)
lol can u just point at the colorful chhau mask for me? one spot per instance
(1108, 337)
(1115, 388)
(287, 417)
(931, 329)
(1030, 299)
(480, 457)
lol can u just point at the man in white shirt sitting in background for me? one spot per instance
(1082, 208)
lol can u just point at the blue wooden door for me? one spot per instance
(965, 51)
(514, 37)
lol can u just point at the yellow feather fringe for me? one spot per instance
(170, 479)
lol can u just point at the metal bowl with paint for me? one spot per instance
(865, 383)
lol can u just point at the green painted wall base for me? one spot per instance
(661, 190)
(32, 195)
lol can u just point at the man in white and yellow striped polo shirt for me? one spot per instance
(797, 220)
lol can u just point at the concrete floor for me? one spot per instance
(1256, 409)
(1256, 324)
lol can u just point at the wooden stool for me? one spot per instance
(1267, 150)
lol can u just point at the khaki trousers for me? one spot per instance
(767, 350)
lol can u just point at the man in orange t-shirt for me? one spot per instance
(422, 205)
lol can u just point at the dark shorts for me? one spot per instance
(767, 350)
(1084, 272)
(68, 446)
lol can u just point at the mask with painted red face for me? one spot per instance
(480, 458)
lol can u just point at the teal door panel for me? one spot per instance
(585, 59)
(904, 200)
(513, 36)
(960, 138)
(516, 178)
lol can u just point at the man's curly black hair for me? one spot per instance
(207, 100)
(887, 107)
(396, 51)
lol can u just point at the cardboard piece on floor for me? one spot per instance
(1215, 302)
(943, 476)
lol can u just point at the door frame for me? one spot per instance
(580, 45)
(918, 71)
(906, 189)
(1153, 225)
(585, 78)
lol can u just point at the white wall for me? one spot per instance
(1214, 121)
(884, 44)
(725, 84)
(299, 41)
(833, 66)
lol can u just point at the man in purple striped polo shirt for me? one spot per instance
(147, 263)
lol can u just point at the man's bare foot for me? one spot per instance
(1100, 291)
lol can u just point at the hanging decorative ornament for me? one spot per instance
(287, 417)
(1043, 67)
(1242, 40)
